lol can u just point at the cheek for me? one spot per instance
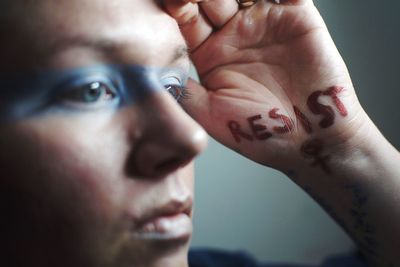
(93, 157)
(187, 173)
(75, 164)
(58, 174)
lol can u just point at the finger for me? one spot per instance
(219, 12)
(197, 103)
(194, 26)
(221, 119)
(181, 10)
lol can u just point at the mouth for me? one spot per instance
(169, 222)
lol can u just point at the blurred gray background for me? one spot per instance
(243, 206)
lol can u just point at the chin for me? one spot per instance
(165, 253)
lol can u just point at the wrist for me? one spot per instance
(361, 190)
(352, 144)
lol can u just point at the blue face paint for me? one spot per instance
(87, 89)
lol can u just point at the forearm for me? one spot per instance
(361, 191)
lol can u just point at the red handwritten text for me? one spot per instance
(313, 150)
(287, 122)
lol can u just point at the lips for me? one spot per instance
(166, 228)
(168, 222)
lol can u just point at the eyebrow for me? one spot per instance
(180, 51)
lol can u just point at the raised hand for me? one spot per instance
(274, 86)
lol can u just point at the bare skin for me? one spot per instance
(280, 57)
(80, 184)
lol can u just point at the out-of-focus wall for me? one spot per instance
(243, 206)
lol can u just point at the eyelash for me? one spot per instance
(178, 96)
(106, 92)
(90, 95)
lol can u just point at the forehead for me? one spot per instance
(123, 31)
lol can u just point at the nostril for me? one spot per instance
(169, 165)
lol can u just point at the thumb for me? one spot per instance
(197, 103)
(202, 106)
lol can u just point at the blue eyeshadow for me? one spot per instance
(29, 94)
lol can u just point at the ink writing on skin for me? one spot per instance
(325, 204)
(326, 111)
(320, 109)
(333, 93)
(314, 150)
(259, 130)
(237, 132)
(359, 220)
(311, 149)
(364, 229)
(287, 122)
(315, 147)
(304, 122)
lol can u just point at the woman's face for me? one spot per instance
(93, 175)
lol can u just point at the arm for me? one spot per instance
(361, 191)
(275, 89)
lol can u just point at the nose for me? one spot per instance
(169, 138)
